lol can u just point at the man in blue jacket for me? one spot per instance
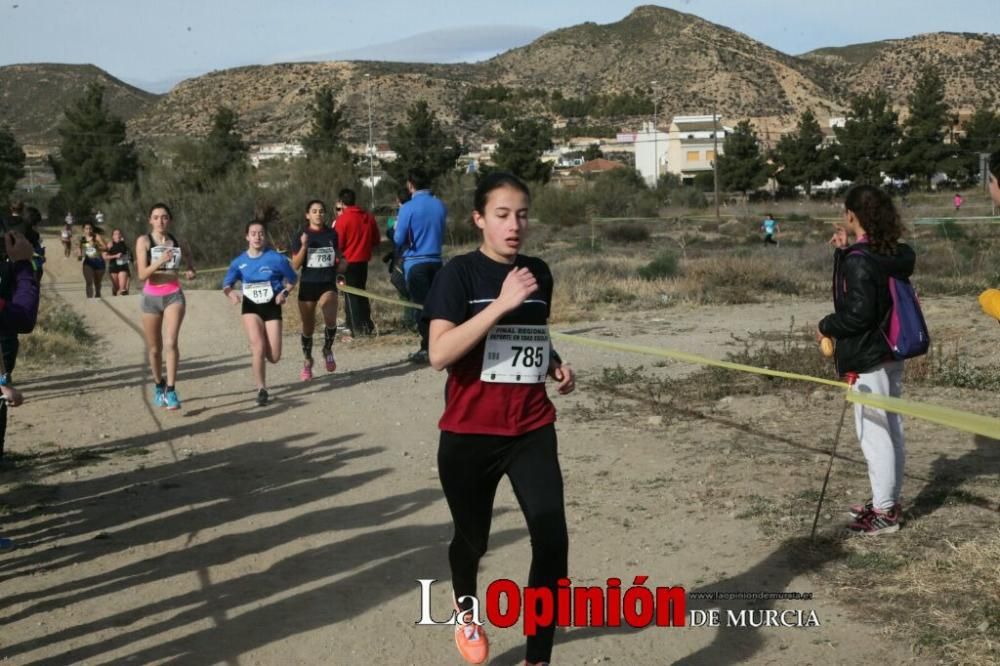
(420, 233)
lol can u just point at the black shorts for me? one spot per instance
(267, 311)
(311, 291)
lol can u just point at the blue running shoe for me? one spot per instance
(159, 399)
(6, 544)
(172, 401)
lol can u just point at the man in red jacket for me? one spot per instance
(358, 235)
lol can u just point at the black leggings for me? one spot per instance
(471, 467)
(10, 345)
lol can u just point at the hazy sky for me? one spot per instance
(155, 44)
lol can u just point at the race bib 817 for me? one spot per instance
(516, 355)
(258, 292)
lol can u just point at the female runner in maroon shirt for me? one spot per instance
(488, 313)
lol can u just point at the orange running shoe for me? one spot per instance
(472, 644)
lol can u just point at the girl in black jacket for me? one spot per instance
(862, 305)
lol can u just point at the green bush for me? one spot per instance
(457, 192)
(950, 230)
(689, 197)
(212, 215)
(665, 265)
(560, 207)
(627, 233)
(622, 193)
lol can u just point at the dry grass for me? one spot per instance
(940, 595)
(59, 336)
(944, 594)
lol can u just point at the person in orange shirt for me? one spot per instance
(358, 236)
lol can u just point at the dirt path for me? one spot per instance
(294, 533)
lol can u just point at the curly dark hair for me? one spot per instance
(878, 217)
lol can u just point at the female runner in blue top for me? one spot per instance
(267, 279)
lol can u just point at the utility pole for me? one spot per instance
(371, 146)
(715, 148)
(656, 150)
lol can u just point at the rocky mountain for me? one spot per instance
(969, 63)
(32, 98)
(696, 66)
(273, 100)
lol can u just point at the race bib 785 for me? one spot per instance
(516, 354)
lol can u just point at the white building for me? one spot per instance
(692, 143)
(272, 151)
(650, 153)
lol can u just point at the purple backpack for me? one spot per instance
(906, 331)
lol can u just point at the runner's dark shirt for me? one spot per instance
(464, 287)
(325, 237)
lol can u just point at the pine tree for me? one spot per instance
(982, 135)
(326, 134)
(11, 163)
(593, 152)
(803, 159)
(225, 148)
(421, 144)
(867, 143)
(94, 153)
(520, 148)
(922, 151)
(741, 166)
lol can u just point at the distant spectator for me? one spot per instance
(770, 229)
(358, 235)
(394, 259)
(18, 313)
(420, 232)
(958, 202)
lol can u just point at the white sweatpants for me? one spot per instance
(881, 434)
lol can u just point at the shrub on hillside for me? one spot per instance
(622, 193)
(560, 207)
(665, 265)
(627, 233)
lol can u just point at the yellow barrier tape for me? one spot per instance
(375, 297)
(692, 358)
(201, 271)
(953, 418)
